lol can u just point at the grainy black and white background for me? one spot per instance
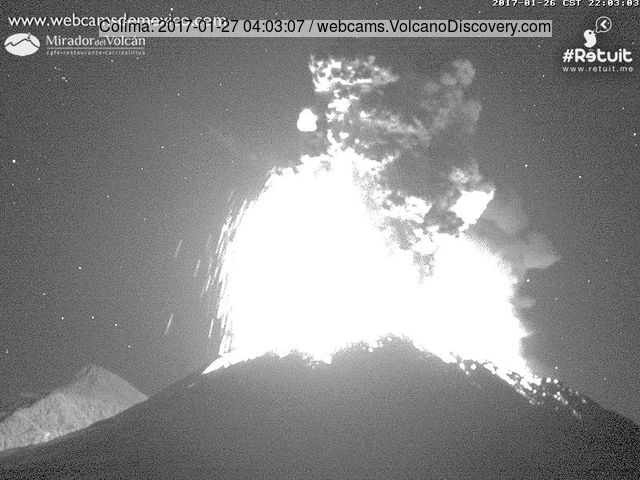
(107, 163)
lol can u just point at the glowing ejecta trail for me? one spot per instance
(177, 251)
(195, 272)
(166, 330)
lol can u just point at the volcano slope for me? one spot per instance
(92, 395)
(392, 413)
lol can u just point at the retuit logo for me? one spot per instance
(590, 55)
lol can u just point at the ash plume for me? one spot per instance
(420, 131)
(379, 230)
(506, 229)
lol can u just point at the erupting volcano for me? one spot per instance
(372, 234)
(366, 318)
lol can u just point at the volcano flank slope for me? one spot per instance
(394, 412)
(92, 395)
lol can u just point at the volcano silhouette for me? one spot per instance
(393, 413)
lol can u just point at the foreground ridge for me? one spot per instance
(393, 412)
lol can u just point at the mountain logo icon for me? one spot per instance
(22, 44)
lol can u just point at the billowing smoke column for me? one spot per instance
(370, 235)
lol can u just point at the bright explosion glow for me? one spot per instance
(307, 121)
(310, 265)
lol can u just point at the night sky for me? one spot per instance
(108, 162)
